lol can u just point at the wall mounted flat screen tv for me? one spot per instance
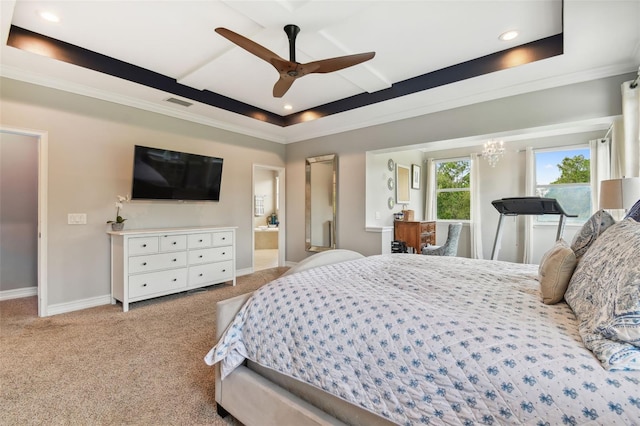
(160, 174)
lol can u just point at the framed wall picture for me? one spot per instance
(415, 176)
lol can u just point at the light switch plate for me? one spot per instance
(77, 219)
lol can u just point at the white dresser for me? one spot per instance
(147, 263)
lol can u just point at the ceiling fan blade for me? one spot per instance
(282, 85)
(250, 46)
(341, 62)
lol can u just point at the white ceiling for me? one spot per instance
(410, 38)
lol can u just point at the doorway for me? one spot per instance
(40, 140)
(268, 217)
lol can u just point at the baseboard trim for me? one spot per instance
(77, 305)
(18, 293)
(244, 271)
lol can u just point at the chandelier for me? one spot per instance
(493, 150)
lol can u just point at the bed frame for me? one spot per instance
(255, 395)
(258, 396)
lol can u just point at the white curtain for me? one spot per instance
(600, 168)
(626, 135)
(475, 229)
(530, 187)
(430, 199)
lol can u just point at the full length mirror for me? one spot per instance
(320, 203)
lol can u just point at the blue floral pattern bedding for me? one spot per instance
(431, 340)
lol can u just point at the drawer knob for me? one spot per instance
(200, 275)
(224, 238)
(144, 263)
(199, 241)
(144, 285)
(175, 260)
(224, 270)
(200, 256)
(223, 253)
(174, 243)
(144, 245)
(175, 279)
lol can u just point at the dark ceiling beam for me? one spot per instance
(23, 39)
(530, 52)
(535, 51)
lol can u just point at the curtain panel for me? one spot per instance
(475, 228)
(626, 143)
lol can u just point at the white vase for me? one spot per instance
(117, 226)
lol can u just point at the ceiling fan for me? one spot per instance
(291, 70)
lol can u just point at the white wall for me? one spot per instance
(18, 211)
(378, 212)
(90, 162)
(558, 107)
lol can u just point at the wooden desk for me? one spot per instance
(415, 234)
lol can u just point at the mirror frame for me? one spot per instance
(403, 184)
(333, 159)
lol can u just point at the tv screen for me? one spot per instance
(160, 174)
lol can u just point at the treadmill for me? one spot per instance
(516, 206)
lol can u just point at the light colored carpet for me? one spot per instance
(102, 366)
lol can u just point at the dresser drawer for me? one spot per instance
(143, 245)
(173, 242)
(154, 262)
(215, 254)
(157, 282)
(222, 238)
(427, 227)
(211, 272)
(199, 240)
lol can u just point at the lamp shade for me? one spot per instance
(619, 193)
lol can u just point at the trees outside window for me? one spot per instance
(565, 175)
(453, 191)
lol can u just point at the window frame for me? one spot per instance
(437, 191)
(554, 219)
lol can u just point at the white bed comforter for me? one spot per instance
(431, 340)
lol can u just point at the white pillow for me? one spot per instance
(604, 293)
(591, 230)
(555, 272)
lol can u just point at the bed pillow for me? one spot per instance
(555, 271)
(634, 212)
(604, 293)
(592, 228)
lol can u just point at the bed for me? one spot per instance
(411, 339)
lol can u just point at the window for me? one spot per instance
(564, 174)
(453, 191)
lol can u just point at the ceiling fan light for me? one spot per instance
(288, 107)
(508, 35)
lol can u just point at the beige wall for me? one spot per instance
(90, 163)
(552, 107)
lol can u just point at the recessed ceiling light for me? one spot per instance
(508, 35)
(288, 107)
(49, 16)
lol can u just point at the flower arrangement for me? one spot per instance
(120, 200)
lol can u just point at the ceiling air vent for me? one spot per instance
(179, 102)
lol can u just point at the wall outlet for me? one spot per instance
(77, 219)
(377, 215)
